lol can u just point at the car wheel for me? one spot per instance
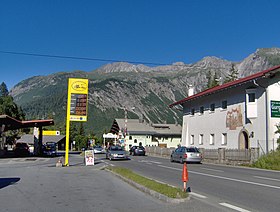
(110, 158)
(171, 159)
(133, 153)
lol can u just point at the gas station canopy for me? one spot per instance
(9, 123)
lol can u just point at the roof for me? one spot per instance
(137, 126)
(27, 138)
(263, 74)
(12, 123)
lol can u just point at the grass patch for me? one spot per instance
(164, 189)
(270, 161)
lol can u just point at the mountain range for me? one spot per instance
(145, 92)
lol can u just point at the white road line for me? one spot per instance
(215, 170)
(198, 195)
(170, 168)
(224, 178)
(267, 178)
(233, 207)
(149, 161)
(109, 164)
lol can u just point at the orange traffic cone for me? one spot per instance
(185, 176)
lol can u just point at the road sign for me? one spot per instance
(89, 157)
(275, 109)
(77, 99)
(76, 106)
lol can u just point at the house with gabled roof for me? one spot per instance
(242, 114)
(135, 132)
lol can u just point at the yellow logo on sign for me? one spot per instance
(79, 86)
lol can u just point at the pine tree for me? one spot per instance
(232, 75)
(212, 80)
(3, 90)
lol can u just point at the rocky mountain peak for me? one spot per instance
(122, 67)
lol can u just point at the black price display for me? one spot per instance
(78, 104)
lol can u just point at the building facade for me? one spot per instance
(241, 114)
(135, 132)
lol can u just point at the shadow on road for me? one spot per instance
(8, 181)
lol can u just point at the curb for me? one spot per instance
(153, 193)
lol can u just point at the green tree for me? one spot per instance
(10, 108)
(7, 104)
(213, 80)
(232, 75)
(3, 90)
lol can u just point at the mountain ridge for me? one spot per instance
(115, 86)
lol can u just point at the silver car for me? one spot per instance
(188, 154)
(116, 153)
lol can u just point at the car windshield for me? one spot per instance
(192, 149)
(116, 148)
(50, 146)
(21, 145)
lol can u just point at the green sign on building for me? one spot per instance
(275, 109)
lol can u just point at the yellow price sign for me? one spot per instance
(76, 106)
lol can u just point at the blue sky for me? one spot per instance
(152, 31)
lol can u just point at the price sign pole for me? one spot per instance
(76, 107)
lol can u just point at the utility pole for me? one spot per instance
(125, 123)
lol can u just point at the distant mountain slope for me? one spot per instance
(145, 91)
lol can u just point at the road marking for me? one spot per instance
(149, 161)
(198, 195)
(233, 207)
(109, 164)
(170, 167)
(224, 178)
(267, 178)
(215, 170)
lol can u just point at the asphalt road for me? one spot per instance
(232, 188)
(35, 184)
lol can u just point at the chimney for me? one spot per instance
(190, 90)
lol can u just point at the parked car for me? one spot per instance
(98, 150)
(137, 150)
(49, 149)
(188, 154)
(21, 149)
(116, 152)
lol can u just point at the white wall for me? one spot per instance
(274, 95)
(215, 122)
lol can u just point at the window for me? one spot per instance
(201, 110)
(192, 111)
(251, 104)
(130, 137)
(224, 104)
(224, 139)
(251, 97)
(212, 107)
(212, 139)
(192, 140)
(200, 139)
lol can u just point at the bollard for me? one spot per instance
(185, 176)
(59, 163)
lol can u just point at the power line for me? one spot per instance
(81, 58)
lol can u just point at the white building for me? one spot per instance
(138, 132)
(237, 115)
